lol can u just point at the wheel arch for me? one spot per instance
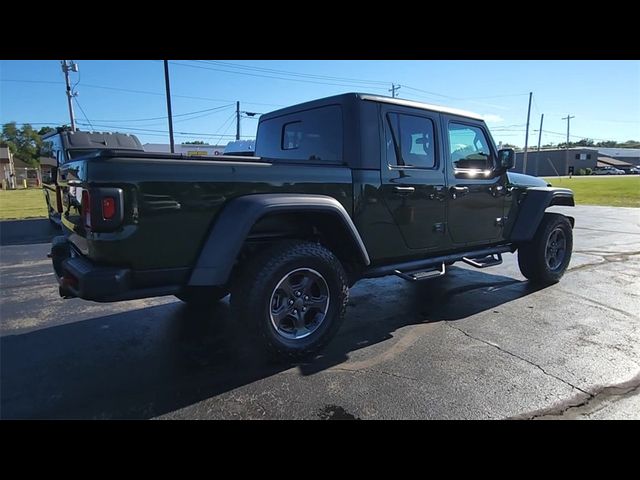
(251, 215)
(532, 208)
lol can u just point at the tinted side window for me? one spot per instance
(414, 140)
(469, 148)
(313, 135)
(52, 148)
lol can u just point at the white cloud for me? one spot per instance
(492, 118)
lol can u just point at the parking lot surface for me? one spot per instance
(475, 344)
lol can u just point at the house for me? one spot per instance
(47, 165)
(14, 172)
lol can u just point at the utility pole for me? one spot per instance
(566, 160)
(237, 120)
(168, 88)
(393, 89)
(526, 138)
(539, 140)
(71, 66)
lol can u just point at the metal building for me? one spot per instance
(552, 162)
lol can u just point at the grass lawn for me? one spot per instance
(622, 191)
(18, 204)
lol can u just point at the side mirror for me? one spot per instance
(506, 159)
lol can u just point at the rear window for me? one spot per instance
(313, 136)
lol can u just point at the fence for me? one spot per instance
(24, 177)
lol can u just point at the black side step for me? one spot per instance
(483, 262)
(419, 275)
(434, 262)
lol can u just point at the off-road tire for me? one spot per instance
(253, 291)
(533, 258)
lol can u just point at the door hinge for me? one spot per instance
(439, 227)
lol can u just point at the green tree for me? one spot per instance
(607, 144)
(195, 142)
(24, 143)
(44, 130)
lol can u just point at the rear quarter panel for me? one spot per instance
(170, 204)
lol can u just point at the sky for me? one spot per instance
(129, 95)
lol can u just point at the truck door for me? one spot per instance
(412, 175)
(475, 195)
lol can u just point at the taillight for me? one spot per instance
(102, 209)
(108, 208)
(86, 209)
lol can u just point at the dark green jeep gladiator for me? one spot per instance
(339, 189)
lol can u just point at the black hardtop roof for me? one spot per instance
(97, 140)
(353, 97)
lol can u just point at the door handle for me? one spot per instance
(458, 192)
(404, 190)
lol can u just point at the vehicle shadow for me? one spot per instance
(147, 362)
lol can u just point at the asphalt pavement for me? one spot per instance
(475, 344)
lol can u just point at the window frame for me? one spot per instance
(398, 148)
(280, 122)
(489, 140)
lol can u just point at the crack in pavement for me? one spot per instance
(619, 256)
(608, 257)
(371, 370)
(599, 304)
(518, 357)
(397, 375)
(575, 407)
(606, 231)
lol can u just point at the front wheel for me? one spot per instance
(544, 259)
(293, 296)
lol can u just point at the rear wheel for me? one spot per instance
(293, 297)
(544, 259)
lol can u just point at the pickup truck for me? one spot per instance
(338, 189)
(64, 146)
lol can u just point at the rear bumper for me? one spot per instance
(79, 277)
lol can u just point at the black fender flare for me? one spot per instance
(532, 209)
(232, 225)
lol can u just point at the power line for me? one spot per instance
(152, 130)
(229, 120)
(143, 92)
(237, 136)
(432, 93)
(496, 96)
(211, 110)
(272, 76)
(83, 112)
(286, 72)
